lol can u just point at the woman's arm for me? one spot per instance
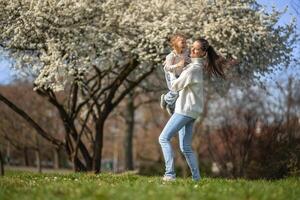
(186, 78)
(181, 82)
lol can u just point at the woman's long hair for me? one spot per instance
(215, 64)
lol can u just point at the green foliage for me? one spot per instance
(21, 185)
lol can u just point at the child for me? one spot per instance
(173, 66)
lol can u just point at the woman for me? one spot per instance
(188, 106)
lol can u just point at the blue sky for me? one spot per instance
(6, 74)
(282, 75)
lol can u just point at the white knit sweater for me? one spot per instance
(190, 88)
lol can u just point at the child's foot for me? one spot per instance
(163, 103)
(169, 110)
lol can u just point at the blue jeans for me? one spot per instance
(183, 125)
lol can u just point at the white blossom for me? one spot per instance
(62, 39)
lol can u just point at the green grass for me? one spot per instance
(27, 185)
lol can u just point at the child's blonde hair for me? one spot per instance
(173, 39)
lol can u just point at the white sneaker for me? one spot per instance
(168, 178)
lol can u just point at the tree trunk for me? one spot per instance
(289, 106)
(98, 146)
(71, 134)
(56, 158)
(128, 140)
(26, 160)
(8, 154)
(38, 160)
(116, 154)
(38, 155)
(1, 164)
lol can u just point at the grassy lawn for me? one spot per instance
(28, 185)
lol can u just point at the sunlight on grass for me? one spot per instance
(26, 185)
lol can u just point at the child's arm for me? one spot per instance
(170, 66)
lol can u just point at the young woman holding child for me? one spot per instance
(188, 85)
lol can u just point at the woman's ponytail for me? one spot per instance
(215, 63)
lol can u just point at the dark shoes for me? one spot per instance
(164, 105)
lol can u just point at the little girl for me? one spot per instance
(173, 66)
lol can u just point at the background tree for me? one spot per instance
(253, 133)
(1, 164)
(19, 135)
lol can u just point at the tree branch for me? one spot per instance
(30, 121)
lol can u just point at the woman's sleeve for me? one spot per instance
(181, 82)
(185, 79)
